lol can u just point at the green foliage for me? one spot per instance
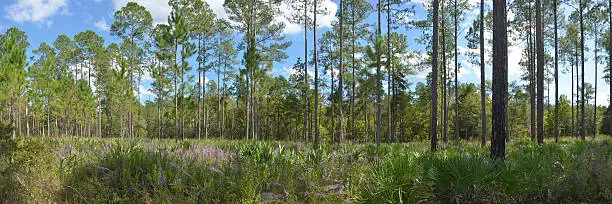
(136, 171)
(27, 171)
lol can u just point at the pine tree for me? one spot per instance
(500, 80)
(133, 24)
(434, 80)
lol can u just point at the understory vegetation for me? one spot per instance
(84, 170)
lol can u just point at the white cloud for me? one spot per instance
(514, 57)
(160, 9)
(101, 24)
(37, 11)
(323, 21)
(145, 93)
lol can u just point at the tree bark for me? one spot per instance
(500, 79)
(540, 72)
(340, 77)
(434, 80)
(389, 73)
(444, 79)
(532, 81)
(595, 95)
(582, 130)
(457, 128)
(483, 102)
(316, 67)
(556, 73)
(378, 80)
(307, 87)
(353, 129)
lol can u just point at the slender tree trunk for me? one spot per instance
(219, 92)
(582, 130)
(444, 79)
(577, 130)
(199, 88)
(333, 108)
(457, 128)
(223, 99)
(595, 95)
(574, 117)
(26, 118)
(247, 104)
(540, 72)
(500, 79)
(307, 86)
(556, 73)
(483, 102)
(176, 94)
(378, 80)
(340, 73)
(610, 63)
(434, 80)
(353, 128)
(532, 94)
(316, 67)
(389, 73)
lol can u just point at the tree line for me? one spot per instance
(351, 84)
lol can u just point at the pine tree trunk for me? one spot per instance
(556, 73)
(434, 80)
(353, 128)
(378, 81)
(582, 130)
(307, 86)
(340, 73)
(500, 80)
(219, 93)
(316, 67)
(389, 73)
(483, 102)
(457, 128)
(333, 108)
(595, 95)
(444, 79)
(198, 123)
(540, 72)
(532, 94)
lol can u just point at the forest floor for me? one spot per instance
(113, 170)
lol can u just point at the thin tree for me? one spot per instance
(483, 103)
(457, 129)
(434, 78)
(378, 77)
(532, 78)
(582, 130)
(444, 78)
(340, 73)
(389, 73)
(540, 72)
(556, 73)
(500, 80)
(316, 84)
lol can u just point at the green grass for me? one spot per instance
(84, 170)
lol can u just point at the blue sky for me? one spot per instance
(44, 20)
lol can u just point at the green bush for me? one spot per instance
(26, 171)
